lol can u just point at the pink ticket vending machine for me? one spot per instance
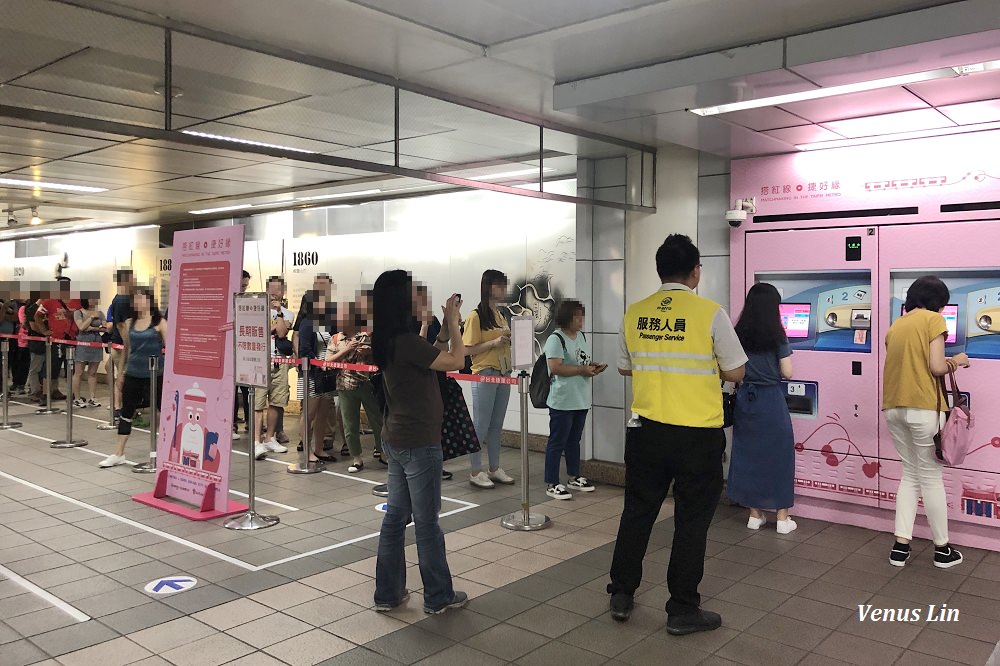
(824, 277)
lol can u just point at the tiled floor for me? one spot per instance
(300, 593)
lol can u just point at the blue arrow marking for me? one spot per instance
(173, 583)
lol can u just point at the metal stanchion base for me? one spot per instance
(68, 444)
(515, 521)
(145, 468)
(10, 425)
(46, 410)
(381, 490)
(251, 520)
(107, 426)
(309, 468)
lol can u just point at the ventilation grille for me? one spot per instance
(836, 214)
(975, 205)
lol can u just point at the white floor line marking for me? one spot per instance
(127, 521)
(133, 464)
(77, 615)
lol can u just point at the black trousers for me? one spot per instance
(243, 398)
(20, 360)
(655, 456)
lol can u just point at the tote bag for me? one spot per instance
(954, 440)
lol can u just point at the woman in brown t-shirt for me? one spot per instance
(411, 439)
(914, 360)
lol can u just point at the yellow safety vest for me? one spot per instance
(675, 375)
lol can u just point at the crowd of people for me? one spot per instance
(675, 440)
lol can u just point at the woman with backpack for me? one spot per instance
(353, 344)
(146, 333)
(570, 364)
(911, 398)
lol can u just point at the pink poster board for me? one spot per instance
(195, 437)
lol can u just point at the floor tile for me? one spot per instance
(368, 625)
(856, 650)
(458, 626)
(500, 604)
(789, 631)
(209, 651)
(72, 638)
(171, 634)
(232, 614)
(949, 646)
(141, 617)
(603, 638)
(506, 642)
(269, 630)
(22, 652)
(557, 652)
(653, 652)
(117, 652)
(753, 596)
(548, 620)
(324, 610)
(410, 644)
(461, 655)
(309, 648)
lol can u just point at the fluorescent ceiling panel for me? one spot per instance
(889, 123)
(856, 105)
(972, 113)
(899, 136)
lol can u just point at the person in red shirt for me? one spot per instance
(60, 325)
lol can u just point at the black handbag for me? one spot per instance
(458, 435)
(728, 409)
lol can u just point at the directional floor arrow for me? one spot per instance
(170, 585)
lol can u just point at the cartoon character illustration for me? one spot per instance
(192, 431)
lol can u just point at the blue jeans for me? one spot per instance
(414, 491)
(565, 430)
(489, 406)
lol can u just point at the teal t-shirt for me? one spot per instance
(569, 393)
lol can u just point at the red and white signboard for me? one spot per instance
(196, 429)
(252, 329)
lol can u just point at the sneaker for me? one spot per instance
(460, 599)
(755, 523)
(581, 484)
(93, 403)
(385, 608)
(481, 480)
(621, 606)
(58, 395)
(899, 554)
(112, 461)
(259, 451)
(282, 438)
(700, 620)
(786, 526)
(273, 446)
(501, 476)
(79, 403)
(558, 491)
(945, 556)
(356, 467)
(344, 451)
(140, 421)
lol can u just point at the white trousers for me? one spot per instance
(913, 433)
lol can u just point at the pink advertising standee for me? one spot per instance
(843, 233)
(195, 435)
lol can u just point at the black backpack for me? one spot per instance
(541, 382)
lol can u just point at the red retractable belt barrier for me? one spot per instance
(484, 379)
(334, 365)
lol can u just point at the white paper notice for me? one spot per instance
(522, 338)
(252, 330)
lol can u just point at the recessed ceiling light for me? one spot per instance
(899, 136)
(508, 174)
(339, 195)
(34, 217)
(20, 182)
(221, 209)
(832, 91)
(247, 142)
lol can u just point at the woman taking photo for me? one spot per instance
(313, 338)
(571, 367)
(91, 324)
(146, 335)
(411, 440)
(354, 387)
(762, 469)
(911, 398)
(487, 340)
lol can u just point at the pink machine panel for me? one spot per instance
(842, 235)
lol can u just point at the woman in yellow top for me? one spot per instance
(914, 362)
(487, 340)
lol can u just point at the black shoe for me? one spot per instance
(446, 475)
(700, 620)
(326, 458)
(299, 447)
(344, 451)
(945, 556)
(621, 606)
(899, 554)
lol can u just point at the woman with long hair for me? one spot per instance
(487, 340)
(91, 324)
(411, 440)
(912, 402)
(762, 469)
(146, 335)
(313, 337)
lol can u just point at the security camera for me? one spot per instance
(11, 220)
(738, 215)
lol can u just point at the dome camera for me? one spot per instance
(738, 215)
(11, 220)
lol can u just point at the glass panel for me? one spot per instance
(61, 58)
(605, 171)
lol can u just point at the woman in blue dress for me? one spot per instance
(761, 473)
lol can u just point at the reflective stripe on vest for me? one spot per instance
(674, 369)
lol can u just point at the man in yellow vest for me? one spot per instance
(676, 346)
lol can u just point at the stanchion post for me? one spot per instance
(69, 442)
(47, 409)
(110, 425)
(304, 465)
(7, 424)
(524, 520)
(251, 520)
(150, 466)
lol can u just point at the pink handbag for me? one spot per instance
(954, 440)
